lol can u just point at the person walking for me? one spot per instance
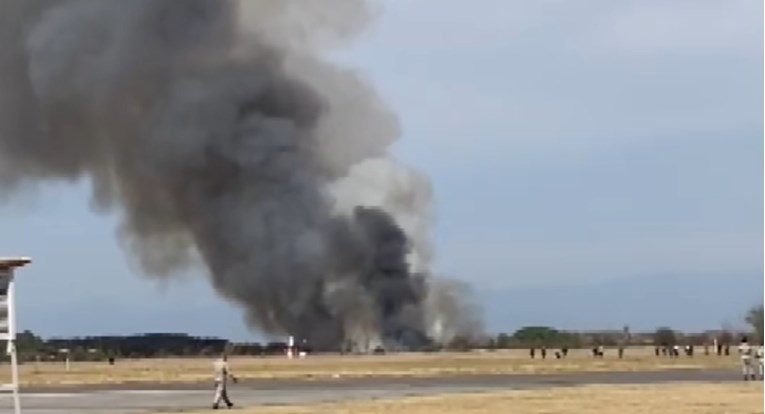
(222, 375)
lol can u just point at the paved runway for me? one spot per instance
(147, 397)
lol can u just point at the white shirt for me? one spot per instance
(221, 370)
(745, 350)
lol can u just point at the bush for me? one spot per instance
(665, 337)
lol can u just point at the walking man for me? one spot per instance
(222, 375)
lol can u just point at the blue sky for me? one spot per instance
(589, 143)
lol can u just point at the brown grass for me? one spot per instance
(314, 367)
(736, 398)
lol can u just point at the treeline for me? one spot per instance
(548, 337)
(31, 347)
(99, 348)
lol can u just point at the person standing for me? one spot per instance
(759, 359)
(745, 352)
(222, 374)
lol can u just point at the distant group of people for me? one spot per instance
(722, 349)
(674, 351)
(562, 353)
(600, 352)
(747, 352)
(597, 352)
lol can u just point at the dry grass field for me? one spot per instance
(314, 367)
(736, 398)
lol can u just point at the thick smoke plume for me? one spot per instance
(221, 135)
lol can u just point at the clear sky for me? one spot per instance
(570, 144)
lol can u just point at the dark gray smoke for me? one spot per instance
(218, 131)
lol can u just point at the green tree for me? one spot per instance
(536, 335)
(755, 318)
(503, 341)
(544, 336)
(28, 342)
(665, 337)
(30, 346)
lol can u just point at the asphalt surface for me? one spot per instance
(131, 399)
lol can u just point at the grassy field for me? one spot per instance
(315, 367)
(737, 398)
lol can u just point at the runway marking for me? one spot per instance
(154, 392)
(110, 392)
(49, 395)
